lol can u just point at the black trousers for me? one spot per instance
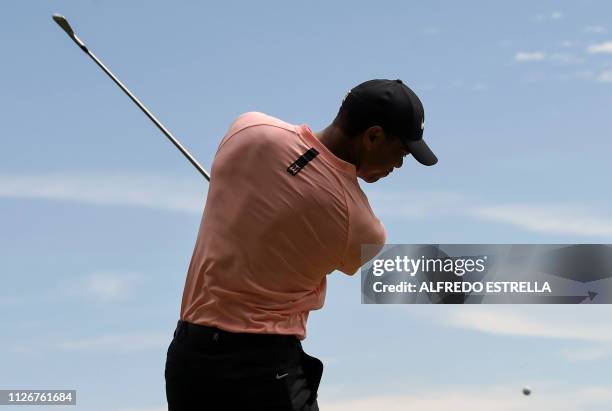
(208, 369)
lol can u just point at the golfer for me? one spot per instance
(284, 209)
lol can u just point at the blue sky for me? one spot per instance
(99, 213)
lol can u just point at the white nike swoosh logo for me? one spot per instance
(278, 377)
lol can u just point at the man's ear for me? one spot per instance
(373, 137)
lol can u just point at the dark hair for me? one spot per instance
(350, 123)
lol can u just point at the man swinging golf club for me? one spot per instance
(284, 209)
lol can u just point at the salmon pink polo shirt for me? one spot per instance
(282, 212)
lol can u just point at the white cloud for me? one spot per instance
(595, 29)
(529, 56)
(118, 342)
(556, 15)
(605, 76)
(104, 286)
(584, 75)
(535, 77)
(572, 219)
(107, 286)
(588, 353)
(116, 189)
(556, 322)
(10, 300)
(461, 84)
(430, 31)
(413, 203)
(600, 48)
(545, 396)
(551, 219)
(566, 58)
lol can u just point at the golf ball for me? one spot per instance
(526, 391)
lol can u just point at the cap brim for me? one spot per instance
(421, 152)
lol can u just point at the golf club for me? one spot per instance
(63, 23)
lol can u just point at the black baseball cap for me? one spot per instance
(393, 106)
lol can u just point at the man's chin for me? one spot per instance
(371, 179)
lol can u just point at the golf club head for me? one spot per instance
(63, 23)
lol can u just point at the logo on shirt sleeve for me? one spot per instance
(302, 161)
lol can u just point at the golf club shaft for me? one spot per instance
(139, 104)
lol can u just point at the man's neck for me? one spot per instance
(338, 143)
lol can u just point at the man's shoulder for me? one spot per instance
(261, 130)
(254, 118)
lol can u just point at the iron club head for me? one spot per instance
(63, 23)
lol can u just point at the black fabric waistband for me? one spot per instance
(207, 333)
